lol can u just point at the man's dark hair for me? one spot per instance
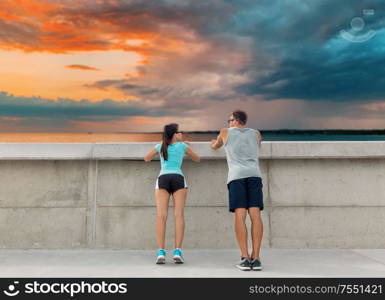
(240, 116)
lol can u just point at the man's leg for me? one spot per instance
(241, 230)
(256, 230)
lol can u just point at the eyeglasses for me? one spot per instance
(179, 132)
(230, 120)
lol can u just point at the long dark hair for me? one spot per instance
(168, 132)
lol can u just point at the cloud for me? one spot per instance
(18, 35)
(105, 25)
(199, 55)
(124, 85)
(64, 109)
(298, 54)
(82, 67)
(309, 59)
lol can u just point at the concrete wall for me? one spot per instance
(317, 195)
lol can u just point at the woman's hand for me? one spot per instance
(195, 157)
(150, 155)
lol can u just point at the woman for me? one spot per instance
(170, 181)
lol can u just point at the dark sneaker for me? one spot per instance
(256, 264)
(244, 264)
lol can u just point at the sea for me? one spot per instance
(193, 136)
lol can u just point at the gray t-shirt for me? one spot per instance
(242, 153)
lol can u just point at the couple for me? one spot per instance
(244, 184)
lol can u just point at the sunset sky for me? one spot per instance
(122, 65)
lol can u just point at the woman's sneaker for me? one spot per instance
(161, 257)
(256, 264)
(244, 264)
(178, 256)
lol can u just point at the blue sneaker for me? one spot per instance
(161, 257)
(178, 256)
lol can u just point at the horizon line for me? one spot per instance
(205, 131)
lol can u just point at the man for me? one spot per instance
(244, 184)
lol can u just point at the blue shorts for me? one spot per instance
(245, 193)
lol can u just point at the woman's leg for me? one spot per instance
(162, 197)
(179, 202)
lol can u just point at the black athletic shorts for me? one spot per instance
(245, 193)
(171, 182)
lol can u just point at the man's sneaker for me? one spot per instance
(256, 265)
(161, 257)
(178, 257)
(244, 264)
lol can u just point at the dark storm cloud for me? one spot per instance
(294, 51)
(151, 15)
(24, 107)
(299, 52)
(309, 58)
(124, 85)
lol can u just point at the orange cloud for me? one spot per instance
(49, 26)
(28, 7)
(5, 15)
(82, 67)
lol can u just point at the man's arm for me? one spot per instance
(219, 142)
(259, 137)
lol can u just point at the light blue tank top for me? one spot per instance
(242, 153)
(176, 152)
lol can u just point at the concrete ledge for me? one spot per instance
(328, 227)
(43, 183)
(206, 227)
(316, 195)
(42, 227)
(136, 151)
(326, 149)
(327, 182)
(140, 177)
(45, 151)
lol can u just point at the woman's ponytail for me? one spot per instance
(168, 133)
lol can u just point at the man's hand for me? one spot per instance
(216, 144)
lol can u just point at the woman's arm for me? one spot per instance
(150, 155)
(195, 157)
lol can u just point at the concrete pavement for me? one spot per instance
(199, 263)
